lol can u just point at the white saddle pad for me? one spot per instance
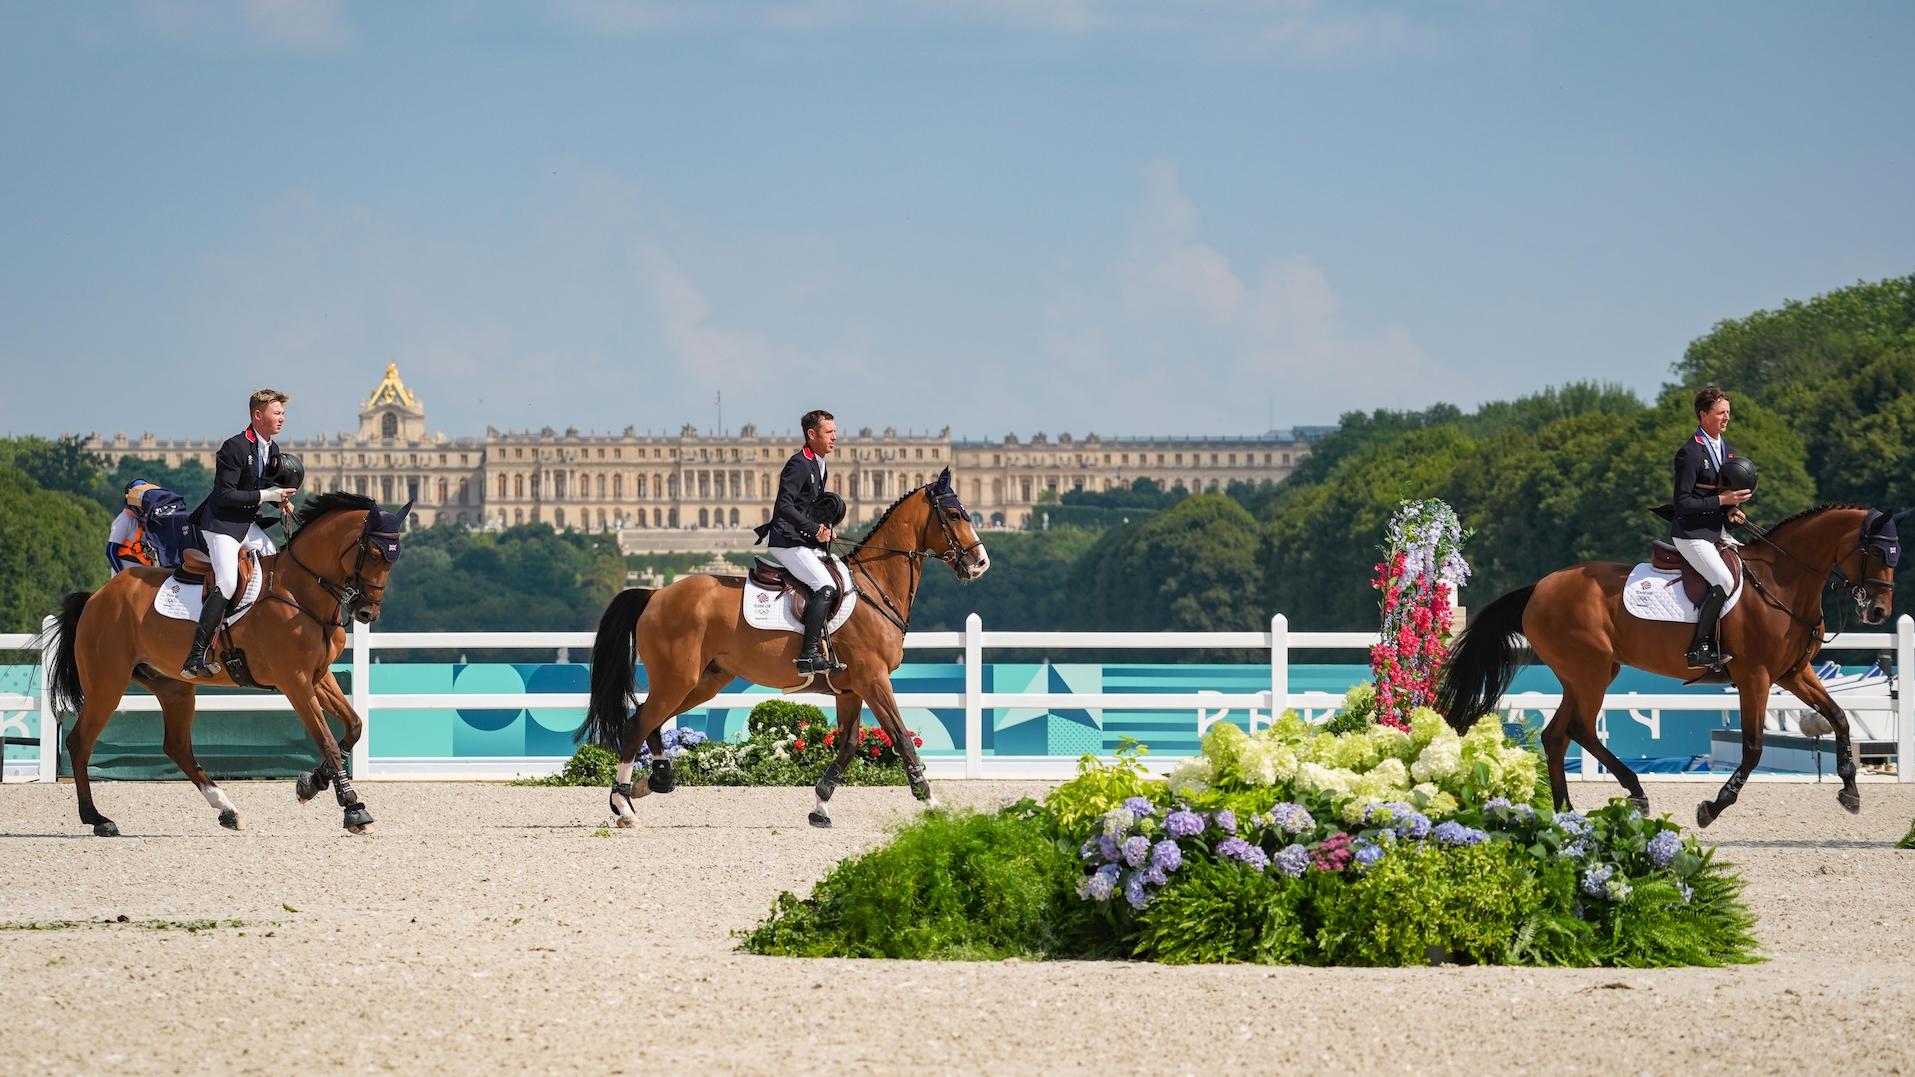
(1654, 595)
(183, 600)
(767, 609)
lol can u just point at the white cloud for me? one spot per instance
(311, 26)
(1180, 324)
(708, 353)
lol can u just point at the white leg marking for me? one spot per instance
(822, 810)
(931, 802)
(217, 798)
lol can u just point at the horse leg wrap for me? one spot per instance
(621, 791)
(828, 781)
(342, 790)
(357, 817)
(660, 780)
(311, 783)
(914, 773)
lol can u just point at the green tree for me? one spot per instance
(50, 543)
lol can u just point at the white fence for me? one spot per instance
(1883, 705)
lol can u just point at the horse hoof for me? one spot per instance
(1641, 803)
(357, 819)
(230, 820)
(105, 829)
(362, 829)
(627, 822)
(304, 790)
(822, 822)
(1705, 814)
(923, 793)
(660, 780)
(1851, 801)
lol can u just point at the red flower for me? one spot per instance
(884, 738)
(830, 735)
(874, 751)
(797, 745)
(917, 741)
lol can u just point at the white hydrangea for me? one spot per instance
(1442, 758)
(1191, 778)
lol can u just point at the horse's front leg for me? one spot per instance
(334, 701)
(1808, 688)
(304, 695)
(885, 706)
(1755, 707)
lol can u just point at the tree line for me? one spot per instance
(1824, 397)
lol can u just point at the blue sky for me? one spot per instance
(994, 215)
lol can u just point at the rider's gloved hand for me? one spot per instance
(278, 494)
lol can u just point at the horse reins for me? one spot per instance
(953, 556)
(1859, 591)
(347, 595)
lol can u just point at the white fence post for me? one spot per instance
(49, 721)
(362, 696)
(1905, 698)
(974, 696)
(1279, 666)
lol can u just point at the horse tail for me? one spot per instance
(1486, 656)
(63, 687)
(614, 661)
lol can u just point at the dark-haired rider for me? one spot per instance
(1702, 510)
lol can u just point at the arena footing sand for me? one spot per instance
(492, 928)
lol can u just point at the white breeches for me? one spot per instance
(224, 553)
(1703, 556)
(807, 564)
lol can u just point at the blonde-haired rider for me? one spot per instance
(228, 517)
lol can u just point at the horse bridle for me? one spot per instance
(349, 594)
(953, 555)
(1861, 591)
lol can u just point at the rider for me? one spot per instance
(1702, 511)
(228, 517)
(798, 541)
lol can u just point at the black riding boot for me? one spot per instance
(1704, 652)
(811, 658)
(209, 617)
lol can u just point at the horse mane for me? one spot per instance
(878, 523)
(1815, 511)
(323, 505)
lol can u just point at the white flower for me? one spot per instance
(1442, 758)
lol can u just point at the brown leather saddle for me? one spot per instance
(772, 577)
(197, 568)
(1664, 557)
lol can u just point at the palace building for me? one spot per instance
(699, 480)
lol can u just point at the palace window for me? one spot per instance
(389, 426)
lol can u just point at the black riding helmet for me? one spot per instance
(1738, 473)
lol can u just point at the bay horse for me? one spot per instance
(1575, 622)
(332, 570)
(693, 640)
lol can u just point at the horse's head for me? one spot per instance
(948, 533)
(350, 544)
(1870, 568)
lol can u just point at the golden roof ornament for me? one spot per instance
(392, 391)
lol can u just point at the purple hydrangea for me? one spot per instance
(1367, 853)
(1577, 849)
(1184, 823)
(1225, 820)
(1498, 804)
(1292, 819)
(1165, 856)
(1572, 823)
(1244, 852)
(1293, 860)
(1452, 832)
(1155, 876)
(1099, 885)
(1136, 850)
(1088, 851)
(1596, 879)
(1108, 846)
(1391, 810)
(1664, 847)
(1412, 825)
(1140, 806)
(1135, 891)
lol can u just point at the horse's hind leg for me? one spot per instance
(849, 708)
(177, 705)
(102, 696)
(884, 704)
(668, 689)
(1583, 730)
